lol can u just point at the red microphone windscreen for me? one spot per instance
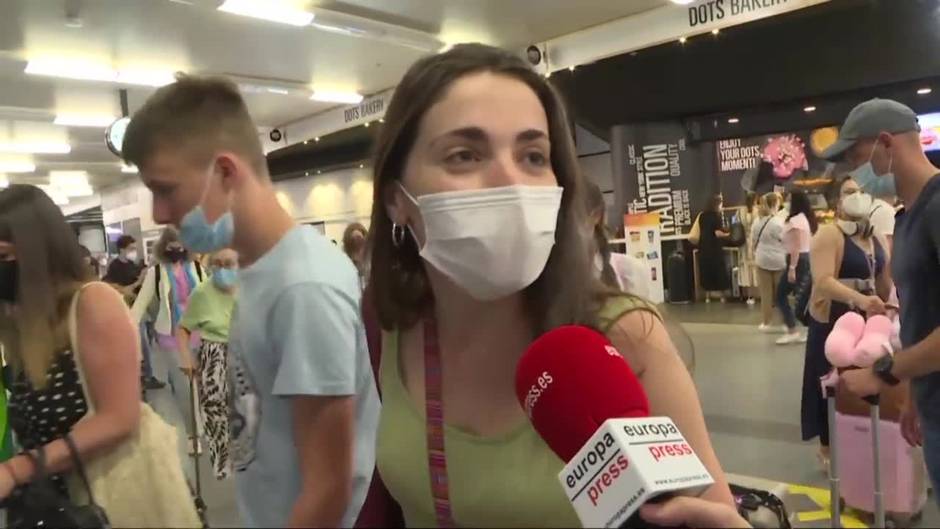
(571, 380)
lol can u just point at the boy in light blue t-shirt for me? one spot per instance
(304, 398)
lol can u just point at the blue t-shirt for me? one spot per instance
(297, 331)
(916, 269)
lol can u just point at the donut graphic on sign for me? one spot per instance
(787, 154)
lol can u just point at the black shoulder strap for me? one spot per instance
(761, 232)
(156, 271)
(198, 270)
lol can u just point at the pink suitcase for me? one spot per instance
(903, 474)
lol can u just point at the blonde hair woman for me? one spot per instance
(41, 271)
(770, 255)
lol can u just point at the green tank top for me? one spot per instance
(505, 481)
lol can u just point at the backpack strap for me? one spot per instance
(198, 266)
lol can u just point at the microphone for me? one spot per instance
(589, 407)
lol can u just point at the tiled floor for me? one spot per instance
(749, 387)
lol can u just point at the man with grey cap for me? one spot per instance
(880, 140)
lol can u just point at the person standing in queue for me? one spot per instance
(304, 406)
(162, 300)
(712, 263)
(126, 273)
(849, 265)
(770, 257)
(798, 233)
(478, 248)
(42, 270)
(880, 140)
(210, 313)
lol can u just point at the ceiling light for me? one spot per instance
(924, 91)
(71, 69)
(716, 31)
(316, 139)
(306, 141)
(35, 147)
(571, 68)
(96, 71)
(361, 166)
(327, 96)
(381, 120)
(57, 196)
(16, 166)
(306, 173)
(68, 178)
(682, 2)
(733, 120)
(682, 40)
(809, 109)
(154, 78)
(278, 91)
(129, 169)
(318, 171)
(84, 120)
(279, 11)
(367, 124)
(77, 191)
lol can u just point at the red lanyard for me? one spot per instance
(434, 411)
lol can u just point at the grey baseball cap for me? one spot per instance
(868, 120)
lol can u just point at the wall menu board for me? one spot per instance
(663, 174)
(644, 241)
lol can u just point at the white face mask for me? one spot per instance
(131, 256)
(491, 242)
(857, 207)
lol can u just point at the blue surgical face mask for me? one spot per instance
(224, 278)
(201, 236)
(876, 185)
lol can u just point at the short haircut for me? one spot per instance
(124, 241)
(197, 116)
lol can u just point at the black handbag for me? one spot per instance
(40, 503)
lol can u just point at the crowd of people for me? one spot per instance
(484, 235)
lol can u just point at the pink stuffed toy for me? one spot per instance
(856, 342)
(875, 342)
(842, 341)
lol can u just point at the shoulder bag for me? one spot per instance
(140, 482)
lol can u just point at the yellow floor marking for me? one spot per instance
(821, 498)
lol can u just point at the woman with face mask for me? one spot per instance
(210, 313)
(163, 297)
(42, 274)
(479, 248)
(621, 271)
(167, 286)
(850, 272)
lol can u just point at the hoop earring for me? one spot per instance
(398, 235)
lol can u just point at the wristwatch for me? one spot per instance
(882, 369)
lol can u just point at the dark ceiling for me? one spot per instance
(827, 50)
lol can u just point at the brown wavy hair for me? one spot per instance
(50, 269)
(566, 292)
